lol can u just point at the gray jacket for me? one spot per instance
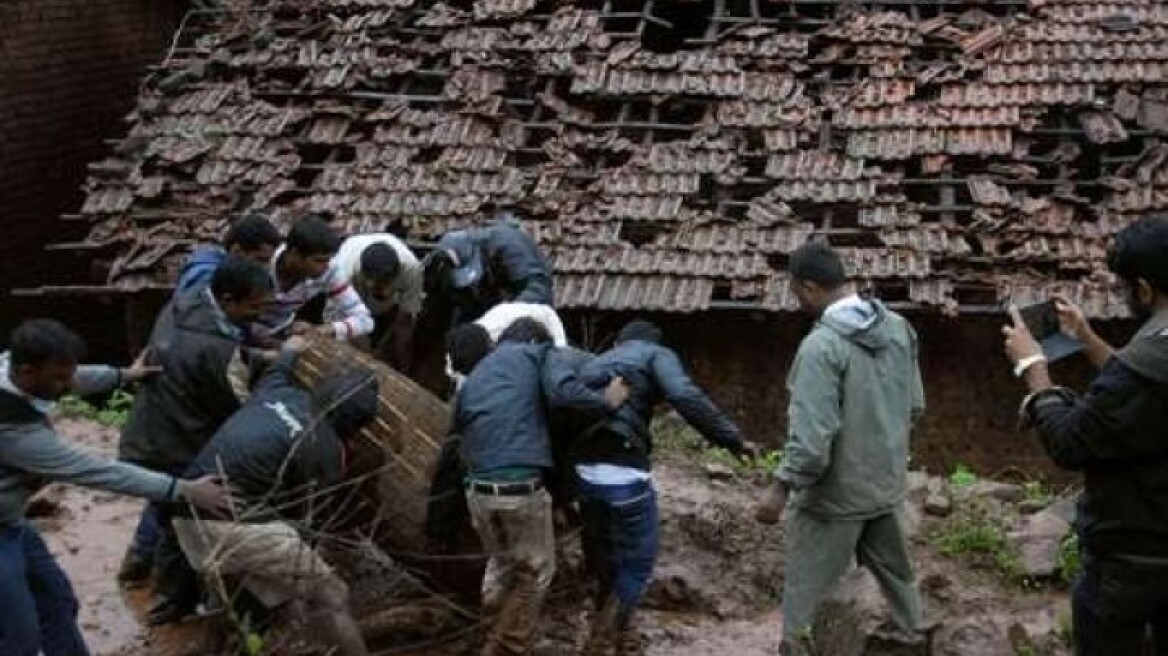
(855, 392)
(33, 455)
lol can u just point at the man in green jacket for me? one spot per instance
(855, 391)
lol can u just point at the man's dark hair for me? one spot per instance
(349, 401)
(251, 232)
(312, 235)
(526, 330)
(380, 262)
(38, 341)
(467, 345)
(1141, 251)
(818, 262)
(240, 278)
(640, 330)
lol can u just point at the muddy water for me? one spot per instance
(89, 535)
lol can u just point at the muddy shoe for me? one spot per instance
(602, 632)
(169, 610)
(628, 643)
(135, 571)
(889, 640)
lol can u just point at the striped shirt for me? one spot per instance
(353, 318)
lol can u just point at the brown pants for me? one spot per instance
(517, 533)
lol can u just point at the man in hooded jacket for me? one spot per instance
(1116, 435)
(475, 269)
(196, 340)
(855, 391)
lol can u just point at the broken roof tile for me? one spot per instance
(664, 180)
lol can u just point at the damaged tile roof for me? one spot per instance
(667, 159)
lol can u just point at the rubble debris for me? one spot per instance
(413, 116)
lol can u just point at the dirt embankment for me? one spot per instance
(716, 590)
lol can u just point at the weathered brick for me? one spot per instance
(69, 70)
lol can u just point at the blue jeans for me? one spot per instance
(38, 610)
(146, 535)
(620, 537)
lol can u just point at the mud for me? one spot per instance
(716, 590)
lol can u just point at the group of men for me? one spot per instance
(234, 454)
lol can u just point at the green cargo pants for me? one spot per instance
(820, 551)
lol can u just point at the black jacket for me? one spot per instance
(176, 412)
(1117, 435)
(501, 410)
(514, 269)
(276, 450)
(654, 374)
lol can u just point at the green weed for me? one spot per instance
(962, 477)
(114, 412)
(760, 466)
(1038, 493)
(979, 537)
(1068, 558)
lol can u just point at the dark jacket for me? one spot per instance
(1117, 435)
(275, 451)
(176, 412)
(501, 410)
(197, 271)
(514, 270)
(654, 374)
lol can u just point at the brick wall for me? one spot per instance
(69, 71)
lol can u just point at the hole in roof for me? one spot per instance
(890, 291)
(615, 160)
(677, 111)
(312, 153)
(427, 155)
(425, 85)
(304, 178)
(623, 17)
(639, 233)
(723, 291)
(739, 8)
(344, 154)
(687, 20)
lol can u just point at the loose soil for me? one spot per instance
(716, 590)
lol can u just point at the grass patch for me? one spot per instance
(962, 477)
(1037, 493)
(976, 534)
(674, 437)
(114, 412)
(1069, 564)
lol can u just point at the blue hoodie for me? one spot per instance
(196, 272)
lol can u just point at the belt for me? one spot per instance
(508, 489)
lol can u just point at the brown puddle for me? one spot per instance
(89, 535)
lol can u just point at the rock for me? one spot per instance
(938, 499)
(973, 636)
(1038, 539)
(1065, 508)
(1031, 506)
(918, 486)
(1005, 492)
(939, 505)
(717, 471)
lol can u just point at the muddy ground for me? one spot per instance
(716, 591)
